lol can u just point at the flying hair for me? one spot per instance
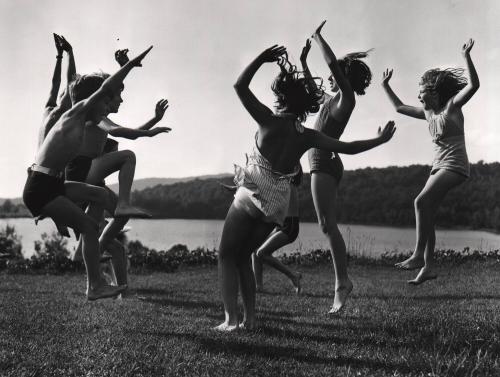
(296, 93)
(445, 82)
(357, 71)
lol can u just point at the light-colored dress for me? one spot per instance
(449, 142)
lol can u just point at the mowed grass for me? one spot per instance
(448, 327)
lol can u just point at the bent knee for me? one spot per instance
(327, 227)
(422, 202)
(88, 226)
(128, 155)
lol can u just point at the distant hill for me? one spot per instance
(141, 184)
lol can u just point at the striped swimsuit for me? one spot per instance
(268, 189)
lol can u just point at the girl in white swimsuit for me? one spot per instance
(443, 92)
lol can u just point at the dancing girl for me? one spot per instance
(443, 92)
(349, 75)
(263, 195)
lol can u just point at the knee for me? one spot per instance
(101, 196)
(421, 203)
(128, 156)
(89, 226)
(326, 226)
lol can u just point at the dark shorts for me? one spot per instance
(40, 189)
(291, 228)
(326, 162)
(78, 168)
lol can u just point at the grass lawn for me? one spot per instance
(448, 327)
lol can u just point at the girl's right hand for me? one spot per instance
(58, 43)
(467, 47)
(386, 134)
(386, 76)
(272, 54)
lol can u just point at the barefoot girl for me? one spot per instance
(443, 92)
(261, 201)
(349, 75)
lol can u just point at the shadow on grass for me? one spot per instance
(220, 343)
(182, 303)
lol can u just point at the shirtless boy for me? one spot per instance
(47, 194)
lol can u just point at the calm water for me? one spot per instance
(360, 239)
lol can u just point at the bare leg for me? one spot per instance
(65, 212)
(275, 241)
(426, 205)
(124, 162)
(324, 193)
(259, 232)
(234, 236)
(258, 267)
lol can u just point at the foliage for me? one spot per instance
(382, 196)
(10, 245)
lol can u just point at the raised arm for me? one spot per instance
(412, 111)
(331, 60)
(113, 82)
(319, 140)
(71, 72)
(472, 86)
(56, 76)
(146, 130)
(260, 112)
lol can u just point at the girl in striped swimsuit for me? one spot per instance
(261, 201)
(443, 92)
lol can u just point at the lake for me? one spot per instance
(360, 239)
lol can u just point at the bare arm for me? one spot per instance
(472, 86)
(56, 76)
(116, 130)
(113, 82)
(321, 141)
(71, 72)
(146, 130)
(412, 111)
(330, 58)
(260, 112)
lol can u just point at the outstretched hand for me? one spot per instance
(161, 107)
(386, 76)
(272, 54)
(467, 47)
(159, 130)
(386, 134)
(121, 57)
(137, 61)
(305, 51)
(317, 33)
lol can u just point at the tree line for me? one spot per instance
(371, 196)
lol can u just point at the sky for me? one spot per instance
(200, 48)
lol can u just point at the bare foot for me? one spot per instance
(105, 291)
(105, 257)
(130, 211)
(412, 263)
(226, 327)
(424, 275)
(63, 230)
(297, 283)
(341, 294)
